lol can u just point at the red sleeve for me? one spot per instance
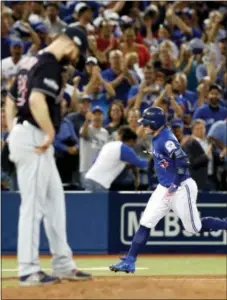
(144, 55)
(139, 38)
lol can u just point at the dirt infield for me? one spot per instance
(130, 287)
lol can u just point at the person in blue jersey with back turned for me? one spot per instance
(176, 189)
(112, 160)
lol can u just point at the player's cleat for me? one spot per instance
(38, 278)
(126, 265)
(74, 275)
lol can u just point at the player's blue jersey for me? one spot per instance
(164, 145)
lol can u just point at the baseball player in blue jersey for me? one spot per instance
(176, 189)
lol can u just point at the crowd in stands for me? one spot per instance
(141, 53)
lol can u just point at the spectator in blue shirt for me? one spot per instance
(85, 76)
(119, 76)
(66, 146)
(142, 96)
(184, 29)
(212, 111)
(100, 91)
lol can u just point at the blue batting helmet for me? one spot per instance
(154, 117)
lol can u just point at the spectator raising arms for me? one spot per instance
(170, 54)
(119, 76)
(129, 45)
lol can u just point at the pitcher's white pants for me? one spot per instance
(42, 197)
(183, 203)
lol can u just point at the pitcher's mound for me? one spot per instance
(129, 287)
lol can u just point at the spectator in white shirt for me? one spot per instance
(12, 64)
(92, 138)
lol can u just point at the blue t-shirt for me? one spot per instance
(147, 100)
(163, 147)
(103, 101)
(122, 89)
(210, 115)
(179, 37)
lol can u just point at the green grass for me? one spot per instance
(156, 265)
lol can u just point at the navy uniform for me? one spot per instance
(42, 195)
(176, 189)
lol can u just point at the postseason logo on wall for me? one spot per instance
(169, 231)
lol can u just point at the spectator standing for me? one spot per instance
(54, 23)
(212, 111)
(142, 96)
(200, 156)
(129, 45)
(112, 160)
(104, 43)
(142, 145)
(177, 126)
(12, 64)
(167, 101)
(217, 135)
(92, 138)
(83, 14)
(115, 118)
(119, 76)
(77, 118)
(101, 92)
(66, 145)
(85, 76)
(17, 10)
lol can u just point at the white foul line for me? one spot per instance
(83, 269)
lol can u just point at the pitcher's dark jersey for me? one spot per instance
(42, 74)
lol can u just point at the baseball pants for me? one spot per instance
(182, 202)
(42, 198)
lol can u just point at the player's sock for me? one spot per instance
(211, 223)
(139, 240)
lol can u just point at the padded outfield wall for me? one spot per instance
(106, 223)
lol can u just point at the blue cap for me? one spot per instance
(97, 108)
(196, 45)
(85, 97)
(176, 122)
(16, 42)
(40, 27)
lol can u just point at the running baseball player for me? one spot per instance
(176, 190)
(35, 94)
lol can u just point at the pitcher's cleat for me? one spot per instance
(74, 275)
(38, 278)
(126, 265)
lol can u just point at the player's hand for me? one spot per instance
(48, 140)
(73, 150)
(171, 190)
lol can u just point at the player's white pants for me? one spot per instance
(42, 197)
(183, 203)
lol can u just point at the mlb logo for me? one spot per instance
(163, 163)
